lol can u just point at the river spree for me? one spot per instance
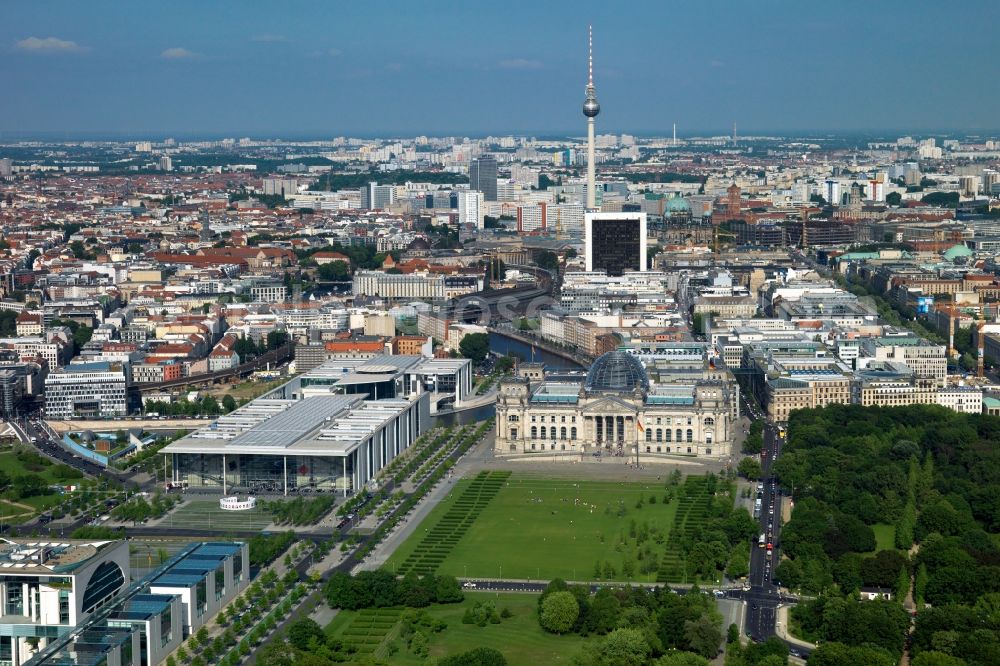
(503, 345)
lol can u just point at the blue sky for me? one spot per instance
(373, 67)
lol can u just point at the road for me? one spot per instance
(763, 597)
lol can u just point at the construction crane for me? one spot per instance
(716, 232)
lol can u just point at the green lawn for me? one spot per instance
(206, 515)
(519, 638)
(885, 536)
(13, 466)
(539, 528)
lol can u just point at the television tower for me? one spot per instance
(590, 109)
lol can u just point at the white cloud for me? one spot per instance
(520, 63)
(49, 45)
(177, 53)
(269, 38)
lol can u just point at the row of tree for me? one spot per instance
(381, 589)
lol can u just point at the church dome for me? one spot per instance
(678, 205)
(617, 372)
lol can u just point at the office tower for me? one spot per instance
(990, 178)
(590, 109)
(165, 163)
(483, 177)
(6, 168)
(206, 227)
(832, 193)
(377, 197)
(968, 185)
(531, 217)
(470, 209)
(615, 242)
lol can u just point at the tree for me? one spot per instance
(276, 653)
(934, 658)
(894, 198)
(334, 271)
(448, 590)
(276, 339)
(749, 468)
(902, 583)
(228, 403)
(703, 636)
(604, 612)
(946, 199)
(475, 346)
(739, 562)
(920, 585)
(838, 654)
(773, 648)
(419, 644)
(547, 260)
(682, 659)
(559, 612)
(304, 630)
(624, 647)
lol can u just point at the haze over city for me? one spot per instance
(315, 68)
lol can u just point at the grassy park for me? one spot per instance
(531, 527)
(519, 637)
(885, 536)
(206, 515)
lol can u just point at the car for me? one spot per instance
(469, 584)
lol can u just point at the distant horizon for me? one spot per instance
(9, 136)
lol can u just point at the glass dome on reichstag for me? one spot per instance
(617, 372)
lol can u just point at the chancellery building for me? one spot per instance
(615, 411)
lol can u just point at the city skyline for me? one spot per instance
(266, 70)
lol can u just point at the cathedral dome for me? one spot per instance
(677, 205)
(617, 372)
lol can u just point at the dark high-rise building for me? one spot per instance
(483, 177)
(615, 242)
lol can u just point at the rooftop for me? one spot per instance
(37, 556)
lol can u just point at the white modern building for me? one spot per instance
(329, 430)
(98, 389)
(142, 623)
(47, 587)
(471, 211)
